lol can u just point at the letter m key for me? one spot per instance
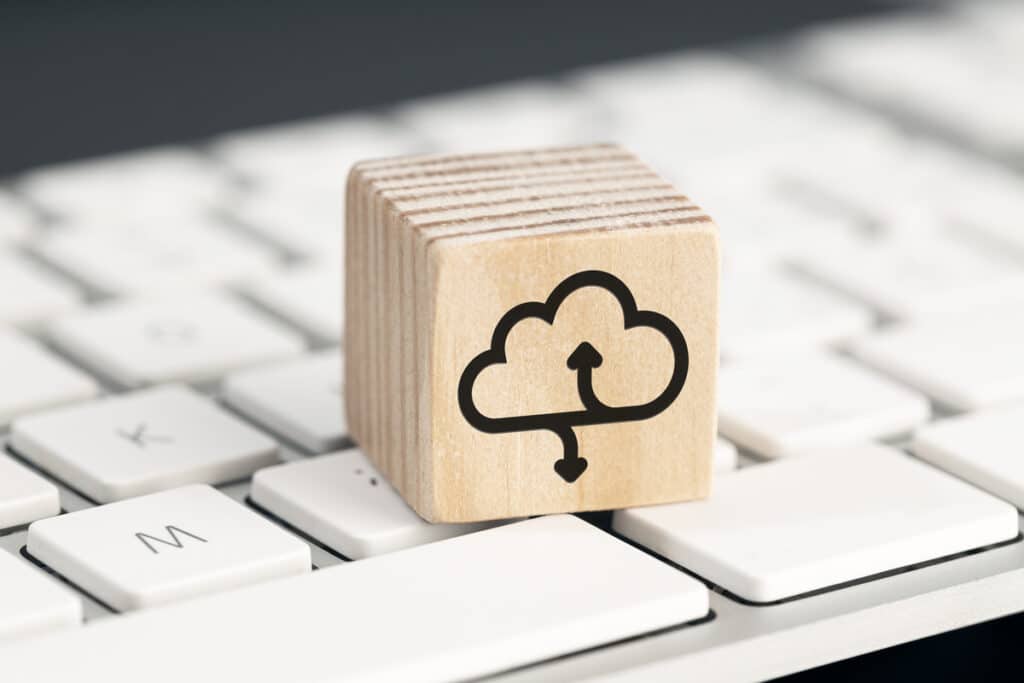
(173, 532)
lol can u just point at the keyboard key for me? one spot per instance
(309, 298)
(344, 503)
(792, 404)
(16, 220)
(153, 182)
(965, 361)
(24, 495)
(299, 399)
(762, 220)
(40, 295)
(681, 110)
(305, 222)
(34, 379)
(510, 115)
(31, 602)
(1001, 23)
(142, 442)
(909, 199)
(153, 254)
(843, 172)
(764, 312)
(903, 278)
(189, 338)
(989, 195)
(429, 614)
(166, 546)
(982, 448)
(783, 529)
(993, 198)
(912, 64)
(726, 458)
(312, 155)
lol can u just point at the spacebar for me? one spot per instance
(459, 608)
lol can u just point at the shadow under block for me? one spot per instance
(530, 332)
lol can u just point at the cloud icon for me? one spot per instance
(584, 360)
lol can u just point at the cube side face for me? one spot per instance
(356, 312)
(571, 371)
(376, 292)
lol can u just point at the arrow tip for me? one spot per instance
(571, 469)
(585, 356)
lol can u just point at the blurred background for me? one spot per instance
(870, 149)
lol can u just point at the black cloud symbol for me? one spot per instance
(583, 360)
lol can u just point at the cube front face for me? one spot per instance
(568, 371)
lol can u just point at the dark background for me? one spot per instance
(85, 78)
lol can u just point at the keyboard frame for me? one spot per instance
(739, 640)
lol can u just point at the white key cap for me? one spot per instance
(764, 312)
(991, 193)
(138, 443)
(993, 201)
(24, 495)
(39, 294)
(983, 448)
(521, 114)
(313, 155)
(118, 257)
(915, 63)
(299, 399)
(892, 202)
(190, 338)
(783, 529)
(421, 617)
(910, 277)
(153, 182)
(679, 110)
(726, 459)
(990, 196)
(344, 503)
(967, 361)
(15, 219)
(791, 404)
(309, 298)
(759, 224)
(166, 546)
(32, 378)
(306, 222)
(1003, 21)
(31, 602)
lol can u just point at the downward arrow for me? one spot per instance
(571, 466)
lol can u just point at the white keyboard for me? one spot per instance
(180, 499)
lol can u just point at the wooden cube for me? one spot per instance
(530, 332)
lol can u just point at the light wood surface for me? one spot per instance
(442, 251)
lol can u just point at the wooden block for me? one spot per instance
(530, 332)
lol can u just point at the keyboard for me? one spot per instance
(179, 496)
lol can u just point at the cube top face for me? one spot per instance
(542, 332)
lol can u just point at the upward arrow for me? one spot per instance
(583, 360)
(585, 356)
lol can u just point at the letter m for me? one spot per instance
(172, 532)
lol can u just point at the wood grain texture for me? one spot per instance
(440, 248)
